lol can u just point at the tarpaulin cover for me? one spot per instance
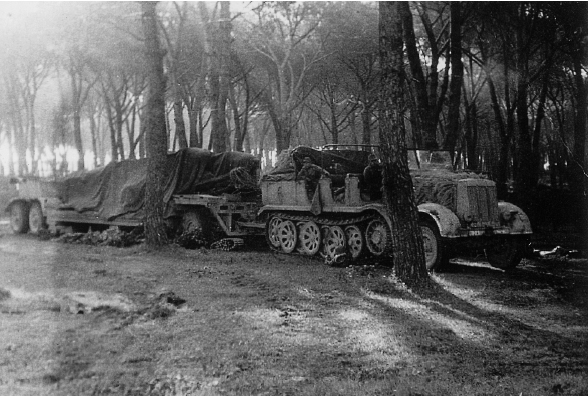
(289, 162)
(119, 188)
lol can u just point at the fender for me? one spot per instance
(447, 221)
(16, 199)
(514, 218)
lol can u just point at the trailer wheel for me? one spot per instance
(194, 220)
(19, 217)
(36, 218)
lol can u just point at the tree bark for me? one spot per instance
(537, 159)
(426, 114)
(179, 122)
(407, 247)
(156, 137)
(580, 162)
(524, 159)
(456, 77)
(220, 79)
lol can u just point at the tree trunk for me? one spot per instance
(156, 137)
(580, 162)
(193, 123)
(220, 79)
(524, 155)
(77, 128)
(537, 160)
(456, 77)
(407, 245)
(365, 122)
(93, 138)
(427, 121)
(179, 121)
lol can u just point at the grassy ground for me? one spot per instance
(260, 323)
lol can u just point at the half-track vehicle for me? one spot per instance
(455, 209)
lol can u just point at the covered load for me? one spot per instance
(118, 189)
(340, 162)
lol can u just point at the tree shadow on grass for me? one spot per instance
(486, 336)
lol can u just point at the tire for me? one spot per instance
(19, 217)
(36, 218)
(194, 220)
(436, 254)
(506, 253)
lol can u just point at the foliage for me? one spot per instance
(301, 73)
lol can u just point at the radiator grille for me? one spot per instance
(482, 201)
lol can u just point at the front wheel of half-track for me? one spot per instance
(435, 251)
(506, 253)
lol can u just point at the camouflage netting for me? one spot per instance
(439, 186)
(118, 189)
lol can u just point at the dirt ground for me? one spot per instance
(86, 320)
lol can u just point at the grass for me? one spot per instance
(259, 323)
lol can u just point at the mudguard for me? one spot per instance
(447, 221)
(13, 200)
(519, 222)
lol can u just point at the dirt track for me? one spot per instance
(95, 320)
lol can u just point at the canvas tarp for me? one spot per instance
(289, 162)
(118, 189)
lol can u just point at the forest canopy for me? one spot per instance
(502, 85)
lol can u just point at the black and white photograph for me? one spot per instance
(271, 198)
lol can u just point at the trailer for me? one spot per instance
(204, 189)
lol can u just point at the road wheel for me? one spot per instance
(194, 220)
(355, 243)
(36, 218)
(19, 217)
(335, 241)
(272, 235)
(435, 252)
(288, 236)
(377, 237)
(310, 238)
(506, 253)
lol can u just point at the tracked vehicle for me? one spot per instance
(456, 209)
